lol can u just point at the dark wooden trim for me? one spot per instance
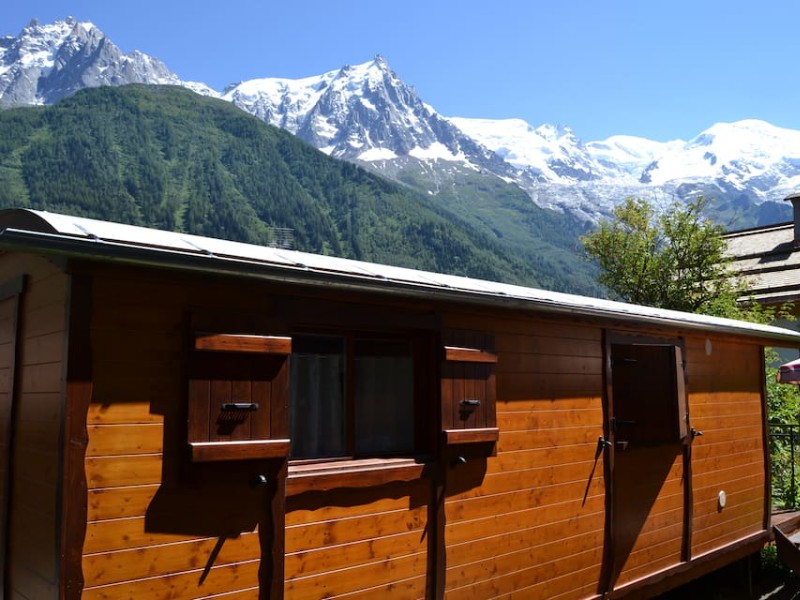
(688, 505)
(350, 395)
(680, 391)
(78, 396)
(437, 543)
(230, 342)
(767, 521)
(351, 474)
(688, 489)
(12, 289)
(273, 538)
(471, 436)
(607, 568)
(476, 355)
(239, 450)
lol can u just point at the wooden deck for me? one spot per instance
(787, 521)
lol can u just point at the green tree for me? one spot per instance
(671, 259)
(676, 259)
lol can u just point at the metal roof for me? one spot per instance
(50, 233)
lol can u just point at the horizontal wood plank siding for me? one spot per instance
(156, 530)
(524, 517)
(725, 404)
(533, 523)
(34, 510)
(367, 542)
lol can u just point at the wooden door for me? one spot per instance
(648, 480)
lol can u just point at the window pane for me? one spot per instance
(384, 397)
(316, 405)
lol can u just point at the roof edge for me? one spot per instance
(93, 248)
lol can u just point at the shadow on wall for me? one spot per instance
(639, 476)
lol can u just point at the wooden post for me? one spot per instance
(78, 396)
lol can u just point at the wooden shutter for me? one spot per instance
(468, 387)
(238, 397)
(649, 394)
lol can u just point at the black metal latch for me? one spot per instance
(239, 406)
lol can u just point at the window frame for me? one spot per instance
(424, 383)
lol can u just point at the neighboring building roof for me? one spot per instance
(768, 260)
(49, 233)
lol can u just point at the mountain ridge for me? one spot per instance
(551, 163)
(164, 157)
(367, 114)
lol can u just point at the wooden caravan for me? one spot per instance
(183, 417)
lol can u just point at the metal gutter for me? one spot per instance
(94, 248)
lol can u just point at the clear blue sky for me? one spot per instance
(657, 69)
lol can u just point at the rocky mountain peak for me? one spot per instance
(45, 63)
(363, 112)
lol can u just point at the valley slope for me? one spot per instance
(166, 157)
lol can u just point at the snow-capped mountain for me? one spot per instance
(749, 158)
(548, 152)
(366, 113)
(45, 63)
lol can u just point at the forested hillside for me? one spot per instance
(165, 157)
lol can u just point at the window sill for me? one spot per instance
(239, 450)
(351, 474)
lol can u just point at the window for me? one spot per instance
(353, 396)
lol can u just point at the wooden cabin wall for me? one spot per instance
(725, 387)
(528, 522)
(159, 529)
(532, 525)
(375, 539)
(32, 552)
(358, 543)
(156, 530)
